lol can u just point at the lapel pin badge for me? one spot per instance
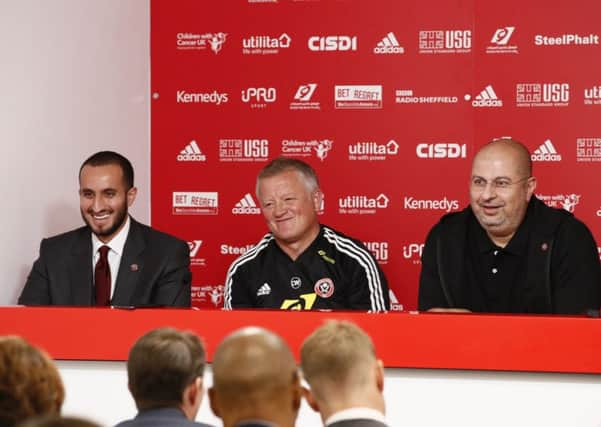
(544, 247)
(134, 267)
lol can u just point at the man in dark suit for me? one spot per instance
(165, 377)
(339, 362)
(113, 260)
(255, 380)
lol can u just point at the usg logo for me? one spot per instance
(542, 94)
(259, 94)
(546, 153)
(379, 250)
(441, 151)
(332, 43)
(246, 206)
(445, 41)
(243, 150)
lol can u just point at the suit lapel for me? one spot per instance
(80, 269)
(131, 265)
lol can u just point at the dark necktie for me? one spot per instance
(102, 277)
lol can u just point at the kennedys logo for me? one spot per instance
(389, 44)
(332, 43)
(394, 302)
(195, 203)
(358, 96)
(260, 96)
(379, 250)
(444, 204)
(191, 153)
(372, 150)
(592, 96)
(183, 97)
(542, 94)
(546, 153)
(487, 98)
(265, 45)
(500, 41)
(441, 151)
(413, 251)
(362, 204)
(246, 206)
(243, 150)
(445, 41)
(234, 250)
(302, 98)
(588, 149)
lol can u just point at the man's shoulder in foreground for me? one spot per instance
(161, 417)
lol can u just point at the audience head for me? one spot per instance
(501, 186)
(339, 363)
(30, 384)
(165, 369)
(255, 377)
(56, 421)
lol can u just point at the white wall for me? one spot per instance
(74, 79)
(414, 397)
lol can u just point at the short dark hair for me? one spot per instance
(57, 421)
(30, 384)
(103, 158)
(161, 364)
(284, 164)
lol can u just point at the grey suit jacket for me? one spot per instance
(358, 423)
(161, 417)
(154, 270)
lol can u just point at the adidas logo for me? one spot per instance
(546, 153)
(191, 153)
(264, 290)
(389, 44)
(246, 206)
(487, 98)
(394, 302)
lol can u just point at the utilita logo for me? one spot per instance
(441, 150)
(542, 94)
(259, 97)
(362, 204)
(246, 206)
(592, 96)
(183, 97)
(500, 41)
(444, 204)
(546, 153)
(191, 153)
(265, 45)
(486, 98)
(389, 45)
(372, 151)
(588, 149)
(379, 250)
(243, 150)
(302, 98)
(445, 41)
(332, 43)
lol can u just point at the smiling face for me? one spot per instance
(104, 199)
(290, 209)
(501, 188)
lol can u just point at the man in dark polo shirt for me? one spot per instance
(508, 252)
(301, 264)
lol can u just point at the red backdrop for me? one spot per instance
(387, 100)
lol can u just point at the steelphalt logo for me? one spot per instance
(225, 249)
(246, 206)
(379, 250)
(372, 151)
(588, 149)
(217, 98)
(441, 150)
(445, 41)
(265, 45)
(243, 150)
(362, 204)
(332, 43)
(499, 43)
(443, 204)
(566, 40)
(195, 203)
(546, 152)
(542, 94)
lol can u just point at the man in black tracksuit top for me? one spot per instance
(508, 252)
(300, 264)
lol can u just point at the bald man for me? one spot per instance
(255, 380)
(346, 379)
(508, 252)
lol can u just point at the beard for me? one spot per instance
(120, 215)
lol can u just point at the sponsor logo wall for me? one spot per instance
(389, 114)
